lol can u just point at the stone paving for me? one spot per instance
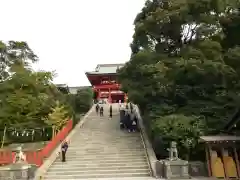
(100, 150)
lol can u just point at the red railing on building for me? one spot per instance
(37, 157)
(106, 86)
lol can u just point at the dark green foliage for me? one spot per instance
(184, 67)
(82, 101)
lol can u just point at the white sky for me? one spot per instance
(71, 36)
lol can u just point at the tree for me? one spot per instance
(83, 100)
(11, 52)
(24, 97)
(57, 118)
(182, 63)
(183, 129)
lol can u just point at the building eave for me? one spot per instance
(98, 73)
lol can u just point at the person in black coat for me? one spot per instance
(101, 111)
(137, 123)
(97, 108)
(110, 111)
(64, 148)
(122, 118)
(128, 122)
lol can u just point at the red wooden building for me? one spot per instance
(104, 82)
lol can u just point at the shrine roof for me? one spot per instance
(106, 69)
(219, 138)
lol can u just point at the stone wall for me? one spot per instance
(149, 150)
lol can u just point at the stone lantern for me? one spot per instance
(19, 169)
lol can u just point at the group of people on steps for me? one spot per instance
(100, 110)
(128, 120)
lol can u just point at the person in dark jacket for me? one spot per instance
(137, 125)
(128, 122)
(64, 148)
(110, 111)
(101, 111)
(97, 108)
(122, 117)
(134, 126)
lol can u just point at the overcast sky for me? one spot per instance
(71, 36)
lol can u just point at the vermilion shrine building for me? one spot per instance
(104, 83)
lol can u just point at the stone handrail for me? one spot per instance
(148, 146)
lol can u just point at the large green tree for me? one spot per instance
(12, 51)
(25, 97)
(185, 62)
(82, 101)
(28, 99)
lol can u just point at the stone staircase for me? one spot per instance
(101, 150)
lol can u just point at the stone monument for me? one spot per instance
(175, 168)
(173, 152)
(19, 170)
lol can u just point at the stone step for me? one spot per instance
(107, 136)
(96, 168)
(102, 164)
(84, 133)
(105, 152)
(96, 159)
(97, 171)
(117, 178)
(108, 149)
(82, 152)
(123, 139)
(103, 141)
(120, 145)
(96, 175)
(99, 161)
(129, 155)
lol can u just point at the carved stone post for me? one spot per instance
(175, 167)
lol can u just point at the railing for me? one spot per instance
(47, 150)
(37, 157)
(147, 146)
